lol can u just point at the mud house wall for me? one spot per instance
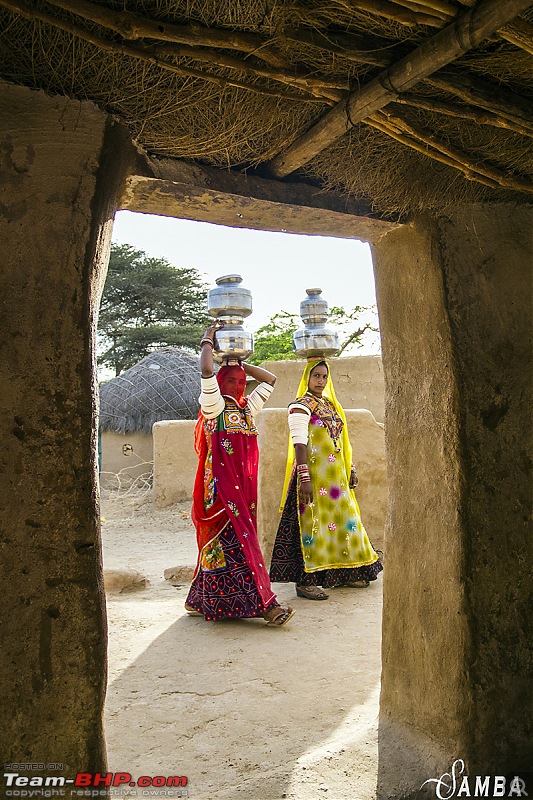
(175, 461)
(455, 309)
(121, 470)
(358, 380)
(61, 171)
(175, 467)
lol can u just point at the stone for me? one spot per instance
(119, 581)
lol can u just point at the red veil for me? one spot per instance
(209, 523)
(234, 465)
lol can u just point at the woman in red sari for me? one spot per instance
(231, 580)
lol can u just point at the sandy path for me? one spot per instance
(242, 710)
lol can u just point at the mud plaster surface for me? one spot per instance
(242, 710)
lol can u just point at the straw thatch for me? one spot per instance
(164, 385)
(234, 83)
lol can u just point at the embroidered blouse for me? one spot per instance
(213, 403)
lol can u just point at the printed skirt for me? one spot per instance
(287, 560)
(224, 586)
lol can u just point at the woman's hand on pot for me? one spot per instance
(211, 331)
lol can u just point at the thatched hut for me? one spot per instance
(164, 385)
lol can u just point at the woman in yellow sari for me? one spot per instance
(321, 541)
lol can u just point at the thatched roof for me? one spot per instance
(408, 104)
(164, 385)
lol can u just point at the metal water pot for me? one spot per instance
(315, 338)
(231, 303)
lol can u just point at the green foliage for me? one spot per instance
(344, 321)
(147, 303)
(273, 342)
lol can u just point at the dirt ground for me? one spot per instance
(242, 710)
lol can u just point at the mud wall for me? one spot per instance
(61, 171)
(455, 308)
(358, 382)
(126, 459)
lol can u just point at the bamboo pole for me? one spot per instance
(475, 165)
(476, 91)
(20, 7)
(465, 33)
(133, 26)
(462, 112)
(389, 130)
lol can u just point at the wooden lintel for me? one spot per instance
(179, 189)
(463, 34)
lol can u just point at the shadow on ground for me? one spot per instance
(246, 711)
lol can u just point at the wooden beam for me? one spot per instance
(330, 89)
(134, 26)
(465, 33)
(388, 10)
(138, 52)
(472, 113)
(472, 166)
(352, 47)
(489, 96)
(520, 33)
(395, 133)
(440, 16)
(174, 188)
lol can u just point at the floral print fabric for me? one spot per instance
(331, 531)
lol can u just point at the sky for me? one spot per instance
(276, 267)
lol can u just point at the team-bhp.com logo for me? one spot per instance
(89, 784)
(456, 784)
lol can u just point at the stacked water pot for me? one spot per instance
(315, 340)
(230, 303)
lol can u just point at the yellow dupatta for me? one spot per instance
(329, 393)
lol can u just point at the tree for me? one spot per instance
(344, 321)
(273, 342)
(147, 303)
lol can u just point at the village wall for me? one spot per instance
(125, 459)
(358, 382)
(456, 319)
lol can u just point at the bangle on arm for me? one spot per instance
(303, 473)
(299, 426)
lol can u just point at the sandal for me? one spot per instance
(192, 611)
(277, 616)
(312, 592)
(362, 584)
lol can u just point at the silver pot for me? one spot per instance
(229, 299)
(315, 339)
(314, 309)
(230, 303)
(232, 340)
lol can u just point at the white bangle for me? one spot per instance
(299, 427)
